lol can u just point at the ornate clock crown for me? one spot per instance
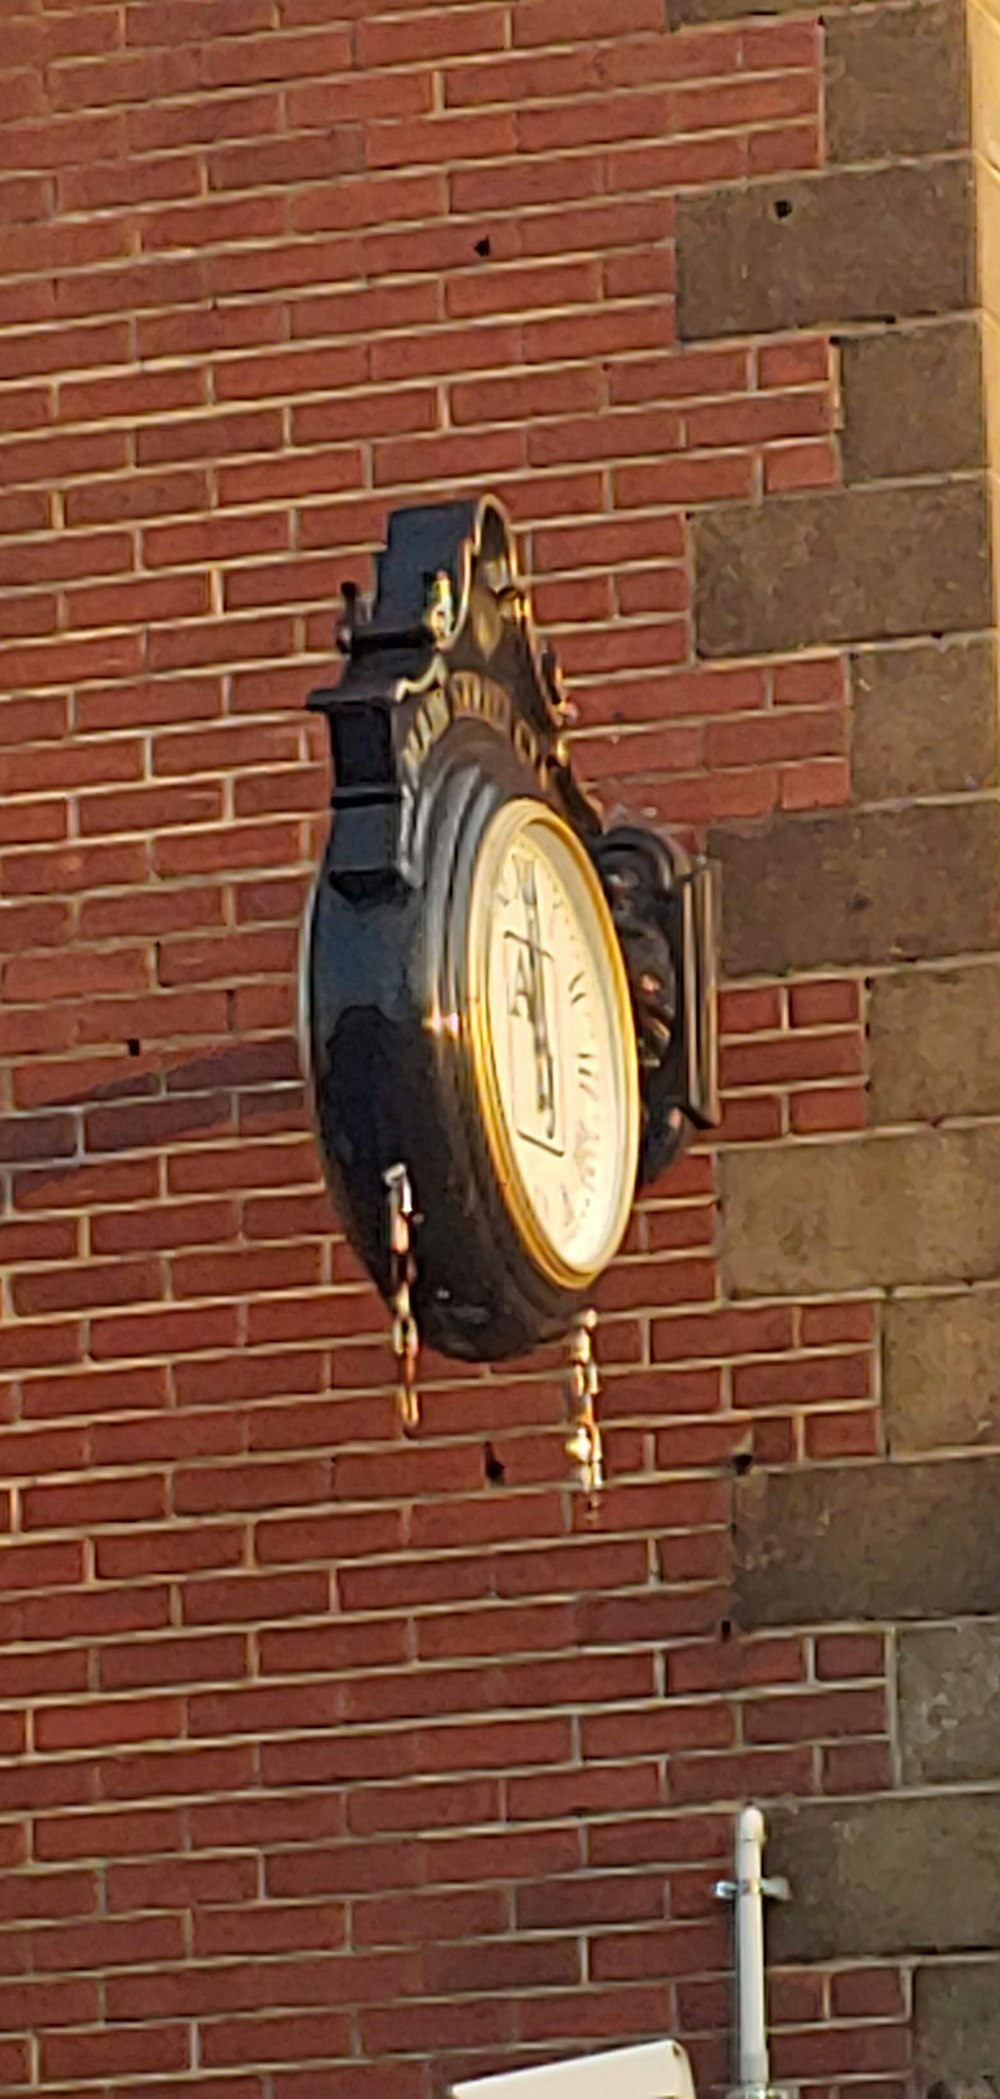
(449, 616)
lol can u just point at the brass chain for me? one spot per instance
(405, 1333)
(583, 1445)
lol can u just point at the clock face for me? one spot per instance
(552, 1041)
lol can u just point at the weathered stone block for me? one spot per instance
(949, 1704)
(859, 887)
(912, 399)
(918, 1207)
(934, 1037)
(886, 1876)
(865, 244)
(942, 1371)
(856, 564)
(868, 1541)
(896, 82)
(924, 719)
(956, 2019)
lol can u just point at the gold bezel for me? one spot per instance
(512, 817)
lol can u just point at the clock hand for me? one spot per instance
(544, 1062)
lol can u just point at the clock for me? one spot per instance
(507, 1008)
(551, 1041)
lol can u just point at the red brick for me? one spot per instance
(162, 1333)
(14, 2062)
(840, 1655)
(832, 1323)
(790, 146)
(788, 1059)
(180, 1883)
(829, 1108)
(55, 1239)
(750, 740)
(735, 1664)
(30, 1347)
(816, 681)
(94, 1501)
(803, 1381)
(268, 1485)
(684, 481)
(44, 978)
(110, 1722)
(856, 1433)
(689, 1224)
(559, 22)
(144, 1664)
(824, 1002)
(88, 1285)
(573, 390)
(115, 2052)
(818, 783)
(275, 1928)
(754, 1012)
(429, 141)
(857, 1767)
(343, 1534)
(801, 361)
(767, 1773)
(814, 1716)
(867, 1993)
(837, 2052)
(762, 1331)
(75, 868)
(522, 78)
(757, 421)
(421, 37)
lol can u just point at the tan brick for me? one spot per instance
(850, 245)
(942, 1381)
(876, 1541)
(912, 402)
(858, 564)
(949, 1703)
(859, 887)
(886, 1876)
(896, 82)
(924, 719)
(934, 1044)
(919, 1207)
(956, 2020)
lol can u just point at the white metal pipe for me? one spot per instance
(751, 2005)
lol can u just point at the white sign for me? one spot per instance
(655, 2070)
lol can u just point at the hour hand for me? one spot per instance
(546, 1079)
(544, 1062)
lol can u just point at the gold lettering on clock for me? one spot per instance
(465, 694)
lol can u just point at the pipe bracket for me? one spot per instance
(774, 1885)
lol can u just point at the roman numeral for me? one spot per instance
(524, 874)
(586, 1071)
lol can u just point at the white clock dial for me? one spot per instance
(553, 1041)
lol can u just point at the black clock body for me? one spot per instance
(447, 711)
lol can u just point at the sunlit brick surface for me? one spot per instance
(333, 1765)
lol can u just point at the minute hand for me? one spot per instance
(544, 1066)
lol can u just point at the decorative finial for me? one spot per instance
(439, 609)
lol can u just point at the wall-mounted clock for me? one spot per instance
(502, 997)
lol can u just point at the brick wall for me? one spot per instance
(331, 1764)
